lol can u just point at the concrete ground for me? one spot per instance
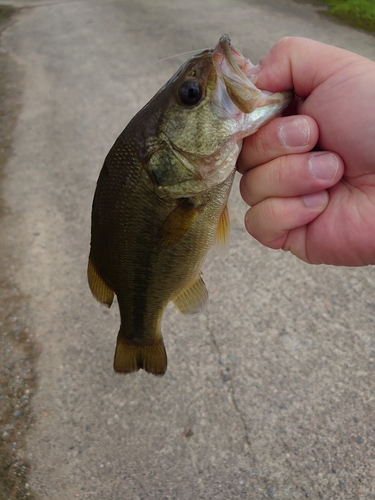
(270, 393)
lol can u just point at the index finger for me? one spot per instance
(282, 136)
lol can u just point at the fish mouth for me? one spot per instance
(241, 106)
(236, 91)
(232, 63)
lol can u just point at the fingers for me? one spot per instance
(287, 194)
(291, 176)
(271, 221)
(288, 188)
(295, 193)
(282, 136)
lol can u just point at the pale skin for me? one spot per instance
(319, 205)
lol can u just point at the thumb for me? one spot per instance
(301, 64)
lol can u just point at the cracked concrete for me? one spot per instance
(269, 392)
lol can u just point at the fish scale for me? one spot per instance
(161, 198)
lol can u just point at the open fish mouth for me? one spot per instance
(231, 62)
(240, 105)
(236, 91)
(229, 107)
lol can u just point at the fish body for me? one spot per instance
(161, 197)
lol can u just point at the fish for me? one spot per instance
(161, 197)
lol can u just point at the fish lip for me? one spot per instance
(231, 62)
(236, 94)
(238, 101)
(235, 84)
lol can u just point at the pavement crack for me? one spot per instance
(224, 370)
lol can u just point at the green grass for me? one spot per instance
(358, 13)
(6, 11)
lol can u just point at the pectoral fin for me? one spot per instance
(178, 223)
(193, 298)
(222, 234)
(99, 289)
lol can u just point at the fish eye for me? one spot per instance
(190, 92)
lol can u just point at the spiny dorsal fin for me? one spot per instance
(193, 297)
(131, 358)
(223, 234)
(99, 289)
(178, 223)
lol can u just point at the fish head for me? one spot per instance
(205, 111)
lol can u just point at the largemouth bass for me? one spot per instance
(161, 197)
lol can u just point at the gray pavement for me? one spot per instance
(270, 393)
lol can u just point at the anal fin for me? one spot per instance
(193, 297)
(131, 358)
(99, 289)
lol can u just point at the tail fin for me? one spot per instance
(130, 358)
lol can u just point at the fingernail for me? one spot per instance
(316, 200)
(295, 133)
(323, 165)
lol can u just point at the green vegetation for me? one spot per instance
(358, 13)
(5, 12)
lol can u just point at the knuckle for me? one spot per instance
(262, 145)
(271, 212)
(281, 171)
(285, 43)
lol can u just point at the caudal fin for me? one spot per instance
(131, 358)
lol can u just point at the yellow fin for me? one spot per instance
(131, 358)
(193, 298)
(99, 289)
(222, 234)
(178, 222)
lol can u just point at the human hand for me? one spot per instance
(319, 205)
